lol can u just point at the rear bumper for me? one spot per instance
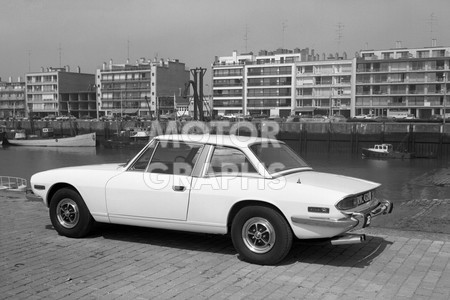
(352, 220)
(365, 217)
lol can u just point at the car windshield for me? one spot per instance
(277, 157)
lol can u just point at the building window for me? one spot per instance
(364, 67)
(362, 78)
(227, 103)
(423, 54)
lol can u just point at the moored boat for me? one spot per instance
(385, 151)
(83, 140)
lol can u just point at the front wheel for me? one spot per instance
(69, 214)
(261, 235)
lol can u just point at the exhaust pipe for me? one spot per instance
(349, 239)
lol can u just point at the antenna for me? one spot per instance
(128, 50)
(431, 21)
(284, 26)
(29, 61)
(246, 37)
(340, 28)
(60, 50)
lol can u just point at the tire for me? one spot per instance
(69, 214)
(261, 235)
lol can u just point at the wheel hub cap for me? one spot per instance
(258, 235)
(67, 213)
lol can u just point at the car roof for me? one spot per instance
(217, 139)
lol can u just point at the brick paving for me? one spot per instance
(120, 262)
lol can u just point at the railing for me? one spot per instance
(12, 183)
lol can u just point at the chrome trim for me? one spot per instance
(352, 220)
(382, 208)
(348, 239)
(345, 223)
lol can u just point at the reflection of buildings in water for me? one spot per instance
(62, 150)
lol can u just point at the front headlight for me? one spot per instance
(355, 200)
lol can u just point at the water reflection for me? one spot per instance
(56, 150)
(25, 161)
(378, 163)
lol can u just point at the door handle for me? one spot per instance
(178, 188)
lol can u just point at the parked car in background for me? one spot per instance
(87, 118)
(257, 190)
(275, 119)
(292, 119)
(383, 119)
(49, 118)
(259, 117)
(65, 118)
(362, 116)
(436, 118)
(338, 118)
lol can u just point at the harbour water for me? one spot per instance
(402, 180)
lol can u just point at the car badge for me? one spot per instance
(299, 181)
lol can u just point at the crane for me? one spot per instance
(197, 85)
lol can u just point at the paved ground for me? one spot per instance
(119, 262)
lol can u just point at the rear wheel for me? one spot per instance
(261, 235)
(69, 214)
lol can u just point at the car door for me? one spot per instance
(227, 177)
(155, 186)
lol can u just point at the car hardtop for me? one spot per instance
(240, 142)
(219, 139)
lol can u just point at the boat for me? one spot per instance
(14, 184)
(130, 138)
(82, 140)
(385, 151)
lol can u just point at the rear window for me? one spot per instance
(278, 157)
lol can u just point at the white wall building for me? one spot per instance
(141, 89)
(281, 83)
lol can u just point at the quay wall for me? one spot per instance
(424, 139)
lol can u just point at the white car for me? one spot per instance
(257, 190)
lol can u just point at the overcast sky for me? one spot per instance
(86, 33)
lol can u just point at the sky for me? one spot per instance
(86, 33)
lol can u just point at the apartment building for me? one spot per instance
(399, 81)
(254, 84)
(324, 87)
(12, 99)
(269, 83)
(57, 91)
(147, 88)
(282, 83)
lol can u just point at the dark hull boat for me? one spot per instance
(385, 151)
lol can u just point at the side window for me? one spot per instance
(142, 163)
(176, 158)
(227, 160)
